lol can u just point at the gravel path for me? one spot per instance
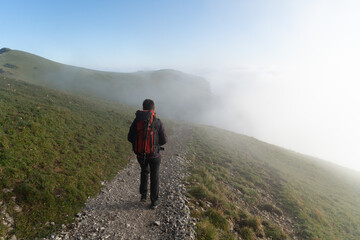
(117, 213)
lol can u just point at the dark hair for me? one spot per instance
(148, 104)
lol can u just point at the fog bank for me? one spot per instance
(303, 109)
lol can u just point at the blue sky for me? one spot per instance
(148, 34)
(287, 69)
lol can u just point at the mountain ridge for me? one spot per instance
(170, 70)
(169, 88)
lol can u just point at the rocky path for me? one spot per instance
(117, 213)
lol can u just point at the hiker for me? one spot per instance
(147, 134)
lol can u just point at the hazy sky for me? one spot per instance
(288, 71)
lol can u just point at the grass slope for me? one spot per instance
(54, 151)
(129, 88)
(234, 174)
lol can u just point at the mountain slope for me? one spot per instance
(54, 151)
(189, 95)
(257, 189)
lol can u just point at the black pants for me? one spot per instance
(151, 165)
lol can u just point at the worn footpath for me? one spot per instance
(117, 213)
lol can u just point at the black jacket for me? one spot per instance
(162, 134)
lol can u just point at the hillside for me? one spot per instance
(189, 95)
(55, 149)
(244, 187)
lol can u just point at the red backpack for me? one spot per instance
(146, 143)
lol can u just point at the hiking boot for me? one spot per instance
(155, 204)
(143, 198)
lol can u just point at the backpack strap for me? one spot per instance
(155, 129)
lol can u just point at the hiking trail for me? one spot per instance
(117, 213)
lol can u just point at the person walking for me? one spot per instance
(147, 134)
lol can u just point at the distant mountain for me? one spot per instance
(180, 95)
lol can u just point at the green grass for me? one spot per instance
(324, 203)
(54, 151)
